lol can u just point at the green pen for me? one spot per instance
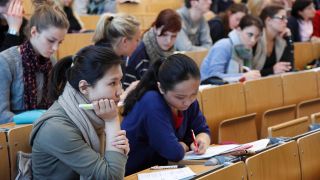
(86, 106)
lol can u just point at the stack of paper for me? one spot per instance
(174, 174)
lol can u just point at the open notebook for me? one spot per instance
(223, 149)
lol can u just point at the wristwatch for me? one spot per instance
(13, 32)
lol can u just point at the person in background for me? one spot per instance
(12, 24)
(157, 42)
(195, 32)
(300, 21)
(87, 143)
(24, 69)
(233, 57)
(160, 113)
(121, 32)
(221, 25)
(219, 6)
(276, 43)
(76, 25)
(316, 24)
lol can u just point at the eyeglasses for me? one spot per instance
(282, 18)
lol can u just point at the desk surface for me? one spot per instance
(198, 169)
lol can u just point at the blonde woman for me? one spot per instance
(24, 69)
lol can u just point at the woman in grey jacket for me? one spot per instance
(24, 69)
(69, 142)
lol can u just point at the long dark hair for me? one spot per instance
(269, 11)
(168, 72)
(299, 5)
(232, 9)
(90, 64)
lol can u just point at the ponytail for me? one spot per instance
(147, 83)
(58, 77)
(168, 72)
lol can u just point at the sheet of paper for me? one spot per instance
(211, 151)
(173, 174)
(259, 145)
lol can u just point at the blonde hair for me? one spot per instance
(112, 27)
(47, 15)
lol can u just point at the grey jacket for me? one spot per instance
(60, 152)
(193, 35)
(12, 86)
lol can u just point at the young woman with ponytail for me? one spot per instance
(24, 69)
(71, 143)
(160, 113)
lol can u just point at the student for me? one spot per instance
(160, 113)
(24, 69)
(76, 25)
(300, 21)
(195, 32)
(157, 42)
(221, 25)
(87, 143)
(227, 58)
(276, 43)
(12, 24)
(121, 32)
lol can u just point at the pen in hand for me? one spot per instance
(194, 141)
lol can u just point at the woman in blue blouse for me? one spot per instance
(160, 113)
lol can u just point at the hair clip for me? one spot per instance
(110, 18)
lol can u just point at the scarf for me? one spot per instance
(242, 55)
(153, 49)
(90, 125)
(33, 63)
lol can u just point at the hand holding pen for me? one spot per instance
(200, 144)
(195, 143)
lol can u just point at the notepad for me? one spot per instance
(174, 174)
(223, 149)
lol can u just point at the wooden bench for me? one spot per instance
(261, 95)
(72, 43)
(281, 162)
(234, 171)
(291, 128)
(309, 156)
(240, 129)
(220, 103)
(4, 157)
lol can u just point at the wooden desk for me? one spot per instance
(198, 169)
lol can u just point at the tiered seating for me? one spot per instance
(197, 56)
(16, 138)
(234, 171)
(240, 129)
(291, 128)
(220, 103)
(303, 54)
(309, 156)
(261, 95)
(281, 162)
(73, 43)
(4, 162)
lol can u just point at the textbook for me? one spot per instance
(228, 149)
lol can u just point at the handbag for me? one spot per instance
(24, 166)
